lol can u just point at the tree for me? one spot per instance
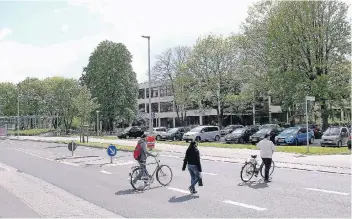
(169, 70)
(8, 99)
(312, 39)
(214, 63)
(85, 104)
(112, 81)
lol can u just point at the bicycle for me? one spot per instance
(160, 171)
(253, 169)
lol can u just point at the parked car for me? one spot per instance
(240, 135)
(173, 134)
(133, 131)
(295, 136)
(349, 142)
(203, 133)
(157, 132)
(230, 128)
(335, 136)
(317, 131)
(259, 135)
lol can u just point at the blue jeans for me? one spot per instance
(193, 170)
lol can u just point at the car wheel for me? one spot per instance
(240, 141)
(187, 141)
(339, 144)
(127, 137)
(174, 138)
(198, 139)
(158, 137)
(311, 140)
(217, 138)
(295, 142)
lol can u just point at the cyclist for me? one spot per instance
(267, 149)
(144, 175)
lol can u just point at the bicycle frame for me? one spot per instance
(157, 162)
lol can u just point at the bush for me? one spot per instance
(30, 132)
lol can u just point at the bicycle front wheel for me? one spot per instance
(271, 170)
(164, 175)
(136, 182)
(247, 172)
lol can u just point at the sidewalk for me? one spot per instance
(323, 163)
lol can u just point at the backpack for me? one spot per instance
(137, 152)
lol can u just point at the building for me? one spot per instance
(163, 108)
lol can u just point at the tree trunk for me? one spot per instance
(111, 124)
(324, 114)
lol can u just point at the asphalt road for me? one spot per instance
(87, 176)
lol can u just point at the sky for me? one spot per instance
(55, 38)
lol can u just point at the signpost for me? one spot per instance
(308, 98)
(72, 147)
(112, 151)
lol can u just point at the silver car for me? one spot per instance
(335, 136)
(203, 133)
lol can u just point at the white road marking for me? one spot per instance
(244, 205)
(327, 191)
(106, 172)
(179, 190)
(68, 163)
(7, 168)
(213, 174)
(124, 164)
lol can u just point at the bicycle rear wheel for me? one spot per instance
(247, 172)
(137, 184)
(271, 170)
(164, 173)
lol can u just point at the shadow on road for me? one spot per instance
(182, 198)
(255, 184)
(132, 191)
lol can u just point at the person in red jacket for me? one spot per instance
(192, 158)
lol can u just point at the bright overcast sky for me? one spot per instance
(55, 38)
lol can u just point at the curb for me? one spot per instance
(219, 159)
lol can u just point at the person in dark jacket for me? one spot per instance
(192, 158)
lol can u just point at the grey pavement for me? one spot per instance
(325, 163)
(91, 181)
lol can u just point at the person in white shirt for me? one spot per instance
(267, 149)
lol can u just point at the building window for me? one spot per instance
(162, 92)
(168, 91)
(155, 91)
(155, 107)
(166, 107)
(141, 94)
(141, 107)
(147, 92)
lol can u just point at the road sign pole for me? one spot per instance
(307, 124)
(110, 159)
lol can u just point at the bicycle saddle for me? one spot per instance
(254, 156)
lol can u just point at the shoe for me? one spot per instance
(266, 180)
(194, 192)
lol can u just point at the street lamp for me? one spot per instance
(98, 122)
(18, 110)
(149, 80)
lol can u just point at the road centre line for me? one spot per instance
(179, 190)
(106, 172)
(244, 205)
(327, 191)
(212, 174)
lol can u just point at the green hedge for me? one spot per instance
(30, 132)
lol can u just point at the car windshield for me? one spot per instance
(239, 131)
(173, 130)
(332, 131)
(127, 129)
(264, 131)
(289, 131)
(197, 129)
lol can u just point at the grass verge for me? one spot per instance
(30, 132)
(102, 145)
(313, 150)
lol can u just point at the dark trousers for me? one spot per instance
(267, 164)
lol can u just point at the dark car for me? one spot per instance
(173, 134)
(349, 142)
(317, 131)
(230, 128)
(259, 135)
(266, 126)
(240, 135)
(131, 132)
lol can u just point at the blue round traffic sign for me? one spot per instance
(112, 150)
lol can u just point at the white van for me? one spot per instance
(203, 133)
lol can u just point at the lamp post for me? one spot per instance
(98, 122)
(149, 80)
(18, 110)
